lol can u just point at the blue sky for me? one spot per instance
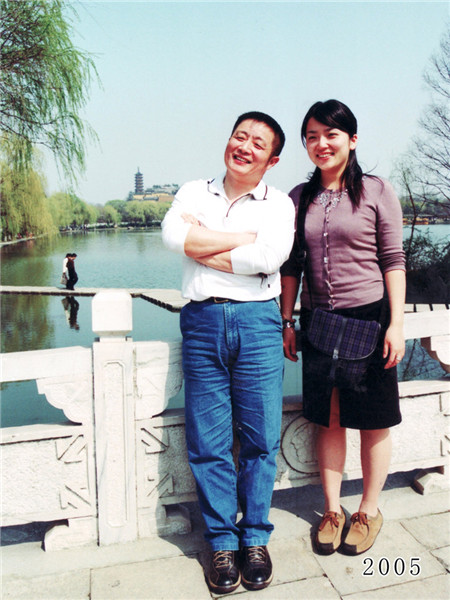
(175, 75)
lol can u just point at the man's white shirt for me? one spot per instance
(265, 211)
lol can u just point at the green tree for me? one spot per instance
(68, 210)
(135, 213)
(91, 214)
(82, 213)
(24, 210)
(111, 215)
(161, 209)
(150, 212)
(61, 208)
(138, 212)
(44, 83)
(120, 206)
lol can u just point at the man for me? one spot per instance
(234, 232)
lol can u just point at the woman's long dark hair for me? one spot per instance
(333, 113)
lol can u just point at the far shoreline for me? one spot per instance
(148, 227)
(76, 231)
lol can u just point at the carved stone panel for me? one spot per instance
(71, 393)
(297, 446)
(159, 376)
(162, 467)
(48, 479)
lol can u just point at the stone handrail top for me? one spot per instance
(170, 299)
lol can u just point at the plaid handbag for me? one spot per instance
(346, 341)
(349, 342)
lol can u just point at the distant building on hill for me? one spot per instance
(157, 193)
(138, 183)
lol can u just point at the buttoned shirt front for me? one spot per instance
(349, 250)
(266, 211)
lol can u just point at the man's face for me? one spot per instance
(248, 154)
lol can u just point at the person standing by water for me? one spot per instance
(64, 265)
(234, 232)
(353, 242)
(72, 274)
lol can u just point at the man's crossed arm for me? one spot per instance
(213, 248)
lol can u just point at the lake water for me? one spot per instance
(123, 259)
(438, 233)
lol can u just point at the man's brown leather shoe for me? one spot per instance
(256, 567)
(224, 575)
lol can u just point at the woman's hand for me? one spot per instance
(394, 345)
(290, 344)
(394, 341)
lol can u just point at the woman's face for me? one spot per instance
(328, 147)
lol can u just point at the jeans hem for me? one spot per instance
(254, 542)
(221, 547)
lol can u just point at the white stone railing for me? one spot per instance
(118, 469)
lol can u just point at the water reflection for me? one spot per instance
(28, 267)
(26, 323)
(71, 306)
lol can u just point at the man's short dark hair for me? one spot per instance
(261, 117)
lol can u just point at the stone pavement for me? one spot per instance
(410, 559)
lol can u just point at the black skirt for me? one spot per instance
(374, 402)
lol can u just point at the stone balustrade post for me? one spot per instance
(114, 417)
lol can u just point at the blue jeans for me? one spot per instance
(233, 367)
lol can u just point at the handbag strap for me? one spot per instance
(301, 241)
(335, 357)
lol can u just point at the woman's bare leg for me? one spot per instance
(331, 451)
(376, 448)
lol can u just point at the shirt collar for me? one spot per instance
(215, 186)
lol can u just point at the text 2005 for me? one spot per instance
(399, 566)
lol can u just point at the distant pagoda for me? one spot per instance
(138, 183)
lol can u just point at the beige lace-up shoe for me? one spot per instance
(328, 535)
(362, 533)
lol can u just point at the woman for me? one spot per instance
(73, 277)
(353, 242)
(65, 272)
